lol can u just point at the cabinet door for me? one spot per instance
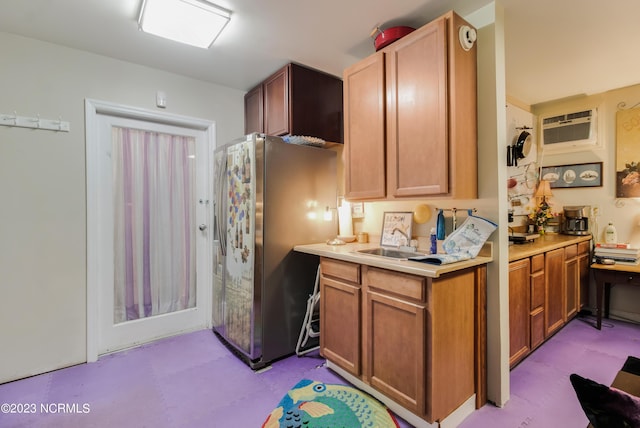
(316, 104)
(519, 310)
(537, 309)
(451, 350)
(571, 282)
(584, 249)
(396, 345)
(537, 301)
(417, 120)
(364, 130)
(340, 324)
(555, 290)
(276, 103)
(253, 111)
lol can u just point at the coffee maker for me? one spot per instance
(576, 220)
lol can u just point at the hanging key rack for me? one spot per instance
(13, 120)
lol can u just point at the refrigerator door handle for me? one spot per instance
(219, 207)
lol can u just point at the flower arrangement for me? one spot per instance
(541, 214)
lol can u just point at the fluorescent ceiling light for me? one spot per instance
(194, 22)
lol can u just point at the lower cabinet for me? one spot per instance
(584, 261)
(537, 299)
(519, 303)
(546, 290)
(571, 281)
(554, 291)
(414, 339)
(394, 346)
(340, 314)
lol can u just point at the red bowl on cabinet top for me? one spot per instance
(390, 35)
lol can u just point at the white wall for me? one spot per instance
(42, 188)
(624, 213)
(492, 174)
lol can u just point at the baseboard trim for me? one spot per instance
(451, 421)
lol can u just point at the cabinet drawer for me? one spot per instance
(631, 279)
(570, 251)
(402, 284)
(537, 263)
(616, 277)
(340, 269)
(624, 278)
(584, 247)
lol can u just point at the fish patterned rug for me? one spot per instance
(313, 404)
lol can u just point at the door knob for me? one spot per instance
(202, 227)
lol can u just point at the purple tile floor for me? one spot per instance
(194, 381)
(541, 394)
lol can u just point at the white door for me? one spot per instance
(148, 218)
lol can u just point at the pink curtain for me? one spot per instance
(154, 223)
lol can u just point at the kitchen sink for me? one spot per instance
(390, 252)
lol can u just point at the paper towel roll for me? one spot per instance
(345, 224)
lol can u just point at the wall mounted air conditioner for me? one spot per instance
(570, 131)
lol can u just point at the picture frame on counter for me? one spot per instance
(396, 228)
(573, 175)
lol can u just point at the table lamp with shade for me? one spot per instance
(544, 190)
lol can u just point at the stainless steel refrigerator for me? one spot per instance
(268, 197)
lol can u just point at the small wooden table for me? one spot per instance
(606, 276)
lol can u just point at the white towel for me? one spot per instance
(464, 243)
(469, 237)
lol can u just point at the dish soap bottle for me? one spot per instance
(434, 242)
(610, 234)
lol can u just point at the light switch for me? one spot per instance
(161, 99)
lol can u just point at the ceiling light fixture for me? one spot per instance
(194, 22)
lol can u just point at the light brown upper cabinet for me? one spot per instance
(296, 100)
(410, 117)
(364, 118)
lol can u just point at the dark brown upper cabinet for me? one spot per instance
(296, 100)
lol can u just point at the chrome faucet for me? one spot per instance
(395, 229)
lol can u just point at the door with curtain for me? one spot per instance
(152, 219)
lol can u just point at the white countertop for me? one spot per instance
(348, 252)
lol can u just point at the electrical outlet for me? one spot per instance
(595, 211)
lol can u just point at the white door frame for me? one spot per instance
(94, 108)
